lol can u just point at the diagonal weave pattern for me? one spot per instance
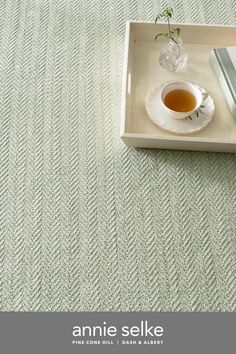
(87, 223)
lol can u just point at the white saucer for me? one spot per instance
(196, 122)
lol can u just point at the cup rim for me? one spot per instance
(185, 113)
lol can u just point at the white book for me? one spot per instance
(223, 61)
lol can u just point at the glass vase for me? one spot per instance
(173, 56)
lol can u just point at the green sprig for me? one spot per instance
(172, 32)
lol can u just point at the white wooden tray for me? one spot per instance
(142, 71)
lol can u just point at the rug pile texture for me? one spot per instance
(85, 222)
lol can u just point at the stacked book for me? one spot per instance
(223, 60)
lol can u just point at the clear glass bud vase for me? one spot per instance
(173, 56)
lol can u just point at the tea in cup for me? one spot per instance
(180, 98)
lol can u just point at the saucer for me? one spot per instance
(194, 123)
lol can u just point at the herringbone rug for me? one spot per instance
(87, 223)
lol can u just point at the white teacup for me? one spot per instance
(181, 85)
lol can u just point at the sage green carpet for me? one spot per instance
(87, 223)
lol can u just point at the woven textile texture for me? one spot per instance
(87, 223)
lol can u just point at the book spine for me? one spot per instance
(228, 70)
(224, 80)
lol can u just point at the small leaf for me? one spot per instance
(169, 12)
(157, 18)
(165, 13)
(159, 35)
(178, 30)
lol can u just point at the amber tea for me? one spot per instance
(180, 100)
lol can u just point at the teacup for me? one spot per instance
(180, 98)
